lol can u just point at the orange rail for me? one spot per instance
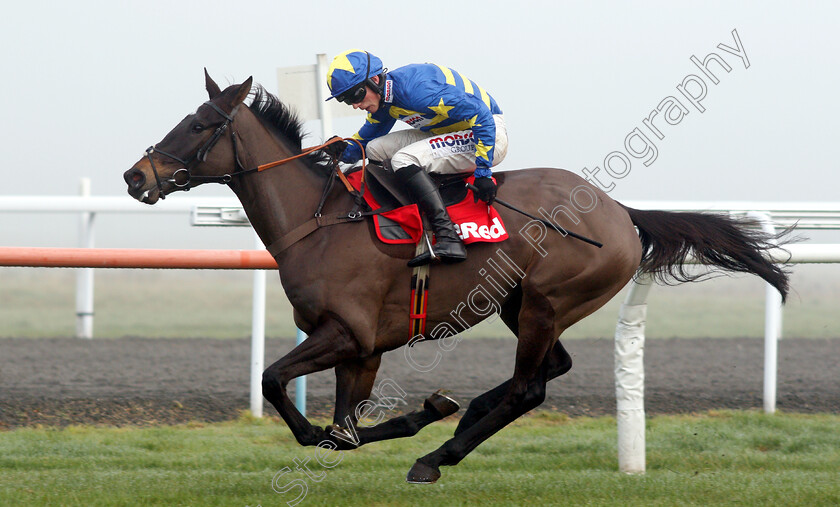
(135, 258)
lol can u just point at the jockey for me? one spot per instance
(458, 128)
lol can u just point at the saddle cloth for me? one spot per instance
(474, 221)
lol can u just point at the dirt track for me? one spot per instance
(156, 381)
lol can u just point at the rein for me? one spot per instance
(182, 179)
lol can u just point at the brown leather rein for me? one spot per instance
(319, 220)
(182, 179)
(307, 151)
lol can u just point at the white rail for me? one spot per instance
(630, 342)
(629, 331)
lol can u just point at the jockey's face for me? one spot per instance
(371, 101)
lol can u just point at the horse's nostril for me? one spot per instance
(135, 178)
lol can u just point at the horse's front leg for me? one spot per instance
(354, 385)
(330, 344)
(436, 407)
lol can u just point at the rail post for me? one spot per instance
(84, 276)
(258, 336)
(630, 376)
(772, 326)
(300, 382)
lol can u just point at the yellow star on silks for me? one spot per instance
(455, 127)
(481, 150)
(341, 62)
(441, 111)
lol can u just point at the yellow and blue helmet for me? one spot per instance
(350, 72)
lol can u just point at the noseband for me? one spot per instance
(182, 178)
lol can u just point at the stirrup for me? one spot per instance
(426, 257)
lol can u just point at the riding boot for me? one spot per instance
(424, 192)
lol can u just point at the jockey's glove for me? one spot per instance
(337, 148)
(486, 190)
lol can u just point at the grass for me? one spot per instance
(730, 458)
(217, 304)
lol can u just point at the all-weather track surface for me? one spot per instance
(143, 381)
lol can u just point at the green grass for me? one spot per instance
(731, 458)
(217, 304)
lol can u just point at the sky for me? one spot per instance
(88, 85)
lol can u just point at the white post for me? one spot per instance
(84, 276)
(300, 382)
(772, 327)
(321, 67)
(630, 376)
(258, 337)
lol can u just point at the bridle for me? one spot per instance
(301, 231)
(182, 178)
(186, 178)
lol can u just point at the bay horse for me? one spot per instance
(350, 292)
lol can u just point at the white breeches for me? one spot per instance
(450, 153)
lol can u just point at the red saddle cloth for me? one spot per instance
(474, 221)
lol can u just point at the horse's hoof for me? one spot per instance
(442, 404)
(421, 473)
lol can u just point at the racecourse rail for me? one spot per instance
(629, 336)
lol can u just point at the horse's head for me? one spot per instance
(200, 149)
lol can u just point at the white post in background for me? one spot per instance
(300, 382)
(630, 376)
(772, 327)
(84, 276)
(321, 67)
(304, 87)
(258, 336)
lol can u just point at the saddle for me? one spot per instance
(385, 189)
(397, 219)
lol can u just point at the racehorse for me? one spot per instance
(349, 291)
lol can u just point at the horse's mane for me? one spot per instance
(285, 124)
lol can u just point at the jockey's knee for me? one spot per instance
(402, 159)
(375, 150)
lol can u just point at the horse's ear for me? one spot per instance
(212, 88)
(243, 91)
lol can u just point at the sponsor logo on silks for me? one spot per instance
(471, 229)
(457, 139)
(389, 90)
(452, 144)
(415, 120)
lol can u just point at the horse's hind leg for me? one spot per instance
(525, 391)
(558, 362)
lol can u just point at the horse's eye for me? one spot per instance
(196, 128)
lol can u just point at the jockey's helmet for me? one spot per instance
(350, 72)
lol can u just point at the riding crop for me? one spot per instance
(557, 228)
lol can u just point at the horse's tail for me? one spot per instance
(668, 238)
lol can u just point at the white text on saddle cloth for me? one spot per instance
(468, 230)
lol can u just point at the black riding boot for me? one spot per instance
(424, 192)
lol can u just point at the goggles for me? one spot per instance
(354, 95)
